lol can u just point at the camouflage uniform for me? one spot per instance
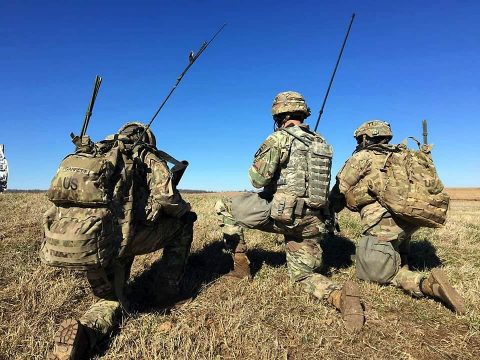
(155, 218)
(293, 166)
(163, 228)
(382, 252)
(384, 247)
(302, 236)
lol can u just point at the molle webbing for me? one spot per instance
(409, 187)
(307, 173)
(77, 251)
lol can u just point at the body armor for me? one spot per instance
(306, 173)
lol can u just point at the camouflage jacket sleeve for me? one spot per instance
(354, 169)
(163, 198)
(265, 162)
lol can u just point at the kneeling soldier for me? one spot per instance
(113, 200)
(396, 191)
(293, 167)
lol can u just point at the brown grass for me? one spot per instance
(464, 193)
(266, 318)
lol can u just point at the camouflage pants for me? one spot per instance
(385, 261)
(171, 234)
(302, 245)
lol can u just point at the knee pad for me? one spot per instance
(224, 214)
(376, 260)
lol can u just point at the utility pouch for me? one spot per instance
(283, 207)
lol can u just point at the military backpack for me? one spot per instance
(409, 187)
(83, 228)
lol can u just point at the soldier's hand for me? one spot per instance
(153, 213)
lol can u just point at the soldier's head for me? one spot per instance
(136, 132)
(373, 132)
(289, 105)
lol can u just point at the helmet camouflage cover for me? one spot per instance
(374, 128)
(134, 129)
(290, 102)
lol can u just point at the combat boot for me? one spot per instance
(347, 301)
(438, 287)
(241, 266)
(71, 341)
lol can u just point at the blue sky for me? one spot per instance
(405, 61)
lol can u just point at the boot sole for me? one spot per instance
(448, 294)
(71, 342)
(351, 307)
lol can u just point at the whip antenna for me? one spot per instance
(334, 71)
(192, 57)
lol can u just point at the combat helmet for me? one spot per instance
(290, 102)
(373, 129)
(135, 129)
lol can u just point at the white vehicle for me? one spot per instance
(3, 169)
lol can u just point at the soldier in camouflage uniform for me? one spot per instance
(163, 220)
(280, 166)
(382, 252)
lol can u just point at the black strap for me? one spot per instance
(306, 141)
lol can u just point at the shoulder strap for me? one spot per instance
(178, 168)
(303, 139)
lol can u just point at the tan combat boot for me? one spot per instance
(347, 301)
(71, 341)
(438, 287)
(241, 266)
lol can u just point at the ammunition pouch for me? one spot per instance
(284, 206)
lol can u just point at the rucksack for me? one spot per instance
(83, 228)
(95, 193)
(409, 186)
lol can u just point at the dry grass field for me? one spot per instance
(266, 318)
(472, 194)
